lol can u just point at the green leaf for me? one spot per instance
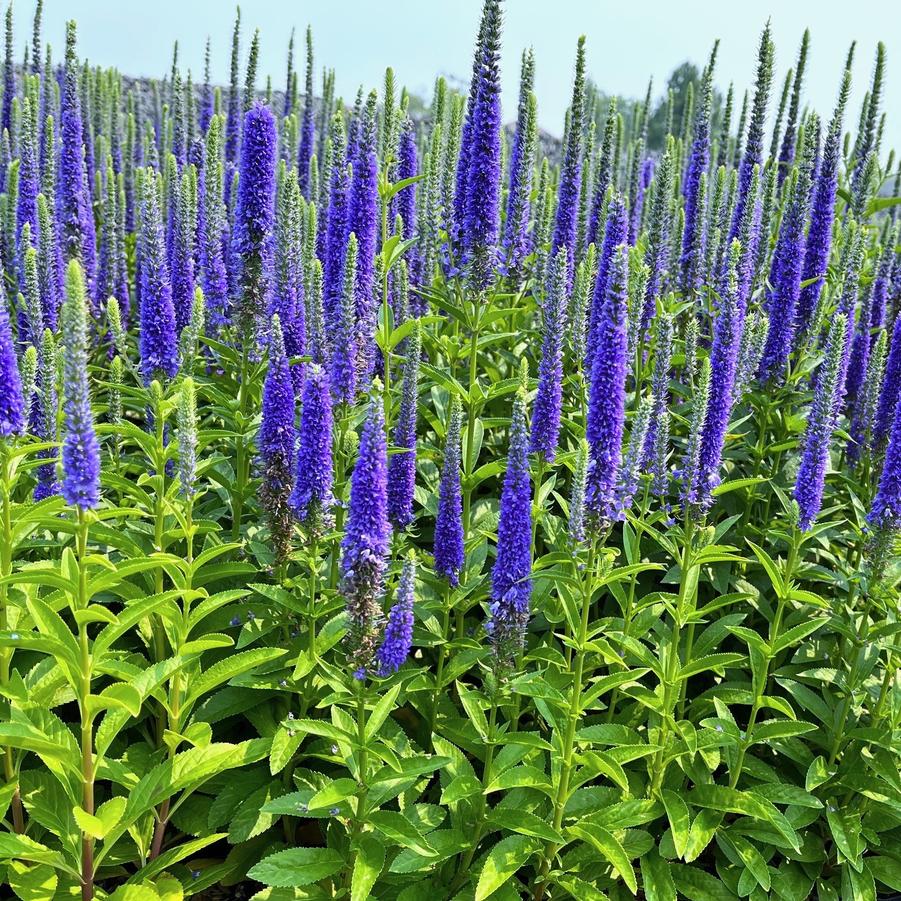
(817, 773)
(750, 857)
(20, 847)
(473, 710)
(228, 668)
(679, 819)
(119, 694)
(731, 800)
(770, 730)
(696, 885)
(380, 712)
(657, 881)
(370, 859)
(735, 484)
(175, 855)
(708, 662)
(461, 787)
(886, 870)
(88, 823)
(607, 766)
(607, 844)
(770, 566)
(525, 823)
(797, 634)
(520, 777)
(135, 893)
(845, 834)
(400, 830)
(333, 793)
(36, 882)
(296, 867)
(502, 863)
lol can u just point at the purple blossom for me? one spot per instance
(343, 361)
(398, 638)
(511, 584)
(182, 267)
(448, 547)
(80, 449)
(481, 221)
(336, 227)
(365, 546)
(254, 219)
(698, 162)
(12, 404)
(364, 220)
(723, 359)
(753, 151)
(891, 387)
(548, 402)
(603, 172)
(312, 499)
(402, 465)
(811, 476)
(886, 510)
(607, 396)
(215, 276)
(276, 444)
(407, 167)
(615, 233)
(786, 269)
(564, 233)
(822, 214)
(158, 342)
(307, 136)
(516, 224)
(29, 176)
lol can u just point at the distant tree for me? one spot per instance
(681, 77)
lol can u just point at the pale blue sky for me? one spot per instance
(626, 41)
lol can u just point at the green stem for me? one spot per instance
(87, 733)
(673, 661)
(561, 796)
(463, 872)
(442, 655)
(362, 766)
(241, 461)
(775, 627)
(853, 675)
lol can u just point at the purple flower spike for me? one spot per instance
(886, 510)
(723, 360)
(615, 233)
(12, 405)
(822, 214)
(365, 546)
(254, 219)
(81, 450)
(607, 398)
(564, 234)
(276, 444)
(511, 584)
(481, 221)
(820, 424)
(158, 343)
(402, 465)
(448, 543)
(312, 499)
(398, 638)
(548, 402)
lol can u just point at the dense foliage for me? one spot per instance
(388, 510)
